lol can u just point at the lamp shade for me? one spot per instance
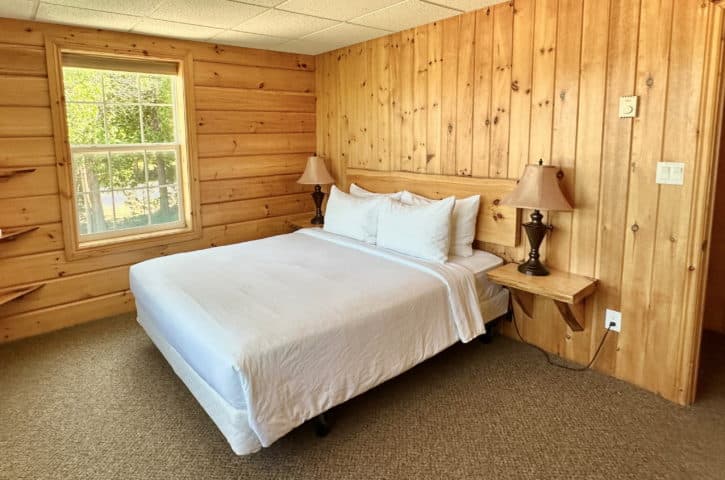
(316, 172)
(538, 189)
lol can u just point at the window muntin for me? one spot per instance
(123, 130)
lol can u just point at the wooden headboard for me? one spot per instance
(496, 224)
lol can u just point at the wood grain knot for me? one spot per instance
(635, 228)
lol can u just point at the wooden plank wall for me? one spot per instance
(484, 93)
(255, 114)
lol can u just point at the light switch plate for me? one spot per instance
(628, 106)
(670, 173)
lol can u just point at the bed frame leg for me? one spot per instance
(321, 424)
(492, 326)
(487, 337)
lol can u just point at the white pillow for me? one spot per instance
(463, 222)
(358, 191)
(351, 216)
(421, 231)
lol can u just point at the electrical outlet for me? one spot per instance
(613, 317)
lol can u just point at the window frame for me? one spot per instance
(189, 225)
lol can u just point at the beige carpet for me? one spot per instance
(99, 401)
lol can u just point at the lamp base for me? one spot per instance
(536, 231)
(534, 267)
(317, 196)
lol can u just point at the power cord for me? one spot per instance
(546, 354)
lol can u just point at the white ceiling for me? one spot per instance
(299, 26)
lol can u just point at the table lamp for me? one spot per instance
(316, 174)
(538, 189)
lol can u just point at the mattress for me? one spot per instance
(480, 263)
(202, 362)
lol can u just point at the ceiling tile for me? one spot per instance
(209, 13)
(251, 40)
(306, 47)
(284, 24)
(262, 3)
(408, 14)
(128, 7)
(17, 8)
(345, 34)
(81, 16)
(468, 5)
(162, 28)
(336, 9)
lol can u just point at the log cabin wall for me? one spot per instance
(487, 92)
(255, 116)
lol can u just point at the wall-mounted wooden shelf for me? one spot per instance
(8, 295)
(13, 233)
(567, 290)
(7, 173)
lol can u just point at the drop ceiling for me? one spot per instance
(299, 26)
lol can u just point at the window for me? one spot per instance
(124, 149)
(125, 126)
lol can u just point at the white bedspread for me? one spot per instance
(353, 317)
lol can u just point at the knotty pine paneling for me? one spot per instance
(255, 127)
(487, 92)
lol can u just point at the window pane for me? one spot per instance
(156, 89)
(162, 167)
(95, 212)
(124, 124)
(90, 172)
(127, 170)
(164, 205)
(120, 87)
(118, 183)
(85, 124)
(82, 85)
(131, 208)
(82, 214)
(158, 124)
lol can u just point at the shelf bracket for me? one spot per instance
(573, 315)
(524, 300)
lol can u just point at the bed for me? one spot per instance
(270, 333)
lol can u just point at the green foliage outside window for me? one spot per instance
(122, 177)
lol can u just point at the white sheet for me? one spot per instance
(233, 421)
(299, 348)
(220, 374)
(479, 263)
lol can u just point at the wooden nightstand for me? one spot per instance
(567, 290)
(303, 220)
